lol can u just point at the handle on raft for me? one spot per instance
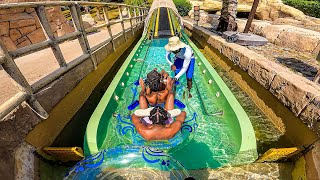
(133, 105)
(179, 103)
(136, 83)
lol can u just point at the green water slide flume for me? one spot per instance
(221, 135)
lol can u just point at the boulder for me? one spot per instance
(15, 17)
(88, 21)
(67, 28)
(287, 21)
(15, 34)
(298, 39)
(18, 41)
(54, 27)
(293, 12)
(35, 16)
(272, 32)
(8, 43)
(22, 23)
(24, 43)
(11, 11)
(30, 10)
(4, 28)
(27, 30)
(36, 36)
(211, 5)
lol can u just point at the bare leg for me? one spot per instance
(143, 102)
(169, 102)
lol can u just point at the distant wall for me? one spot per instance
(20, 27)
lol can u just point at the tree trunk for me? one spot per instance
(228, 16)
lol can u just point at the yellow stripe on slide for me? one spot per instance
(157, 23)
(169, 17)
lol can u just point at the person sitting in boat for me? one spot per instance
(156, 87)
(183, 60)
(156, 123)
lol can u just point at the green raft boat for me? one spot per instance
(217, 131)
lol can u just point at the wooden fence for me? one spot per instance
(7, 57)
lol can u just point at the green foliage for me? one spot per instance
(134, 2)
(183, 6)
(311, 8)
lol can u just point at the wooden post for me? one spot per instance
(129, 11)
(135, 15)
(78, 24)
(49, 34)
(14, 72)
(251, 15)
(122, 23)
(106, 18)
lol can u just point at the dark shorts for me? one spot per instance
(179, 63)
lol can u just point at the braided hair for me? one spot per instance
(153, 80)
(158, 115)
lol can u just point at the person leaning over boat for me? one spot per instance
(183, 60)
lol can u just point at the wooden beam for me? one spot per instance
(78, 24)
(122, 23)
(106, 18)
(14, 72)
(49, 34)
(11, 104)
(251, 15)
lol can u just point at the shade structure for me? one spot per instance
(163, 13)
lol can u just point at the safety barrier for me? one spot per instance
(7, 57)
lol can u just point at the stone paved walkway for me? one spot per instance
(37, 65)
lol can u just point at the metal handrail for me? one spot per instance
(7, 57)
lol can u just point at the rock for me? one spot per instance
(287, 21)
(311, 114)
(35, 16)
(22, 23)
(54, 27)
(294, 91)
(263, 13)
(58, 18)
(67, 28)
(60, 32)
(274, 14)
(272, 32)
(203, 16)
(27, 30)
(36, 36)
(24, 43)
(18, 41)
(15, 34)
(258, 26)
(88, 21)
(11, 11)
(8, 43)
(15, 17)
(211, 5)
(30, 10)
(298, 39)
(197, 3)
(4, 28)
(243, 8)
(262, 70)
(293, 12)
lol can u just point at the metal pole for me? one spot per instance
(251, 15)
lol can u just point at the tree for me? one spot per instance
(228, 16)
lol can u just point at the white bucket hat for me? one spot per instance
(174, 44)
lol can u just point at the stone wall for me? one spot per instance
(297, 93)
(20, 27)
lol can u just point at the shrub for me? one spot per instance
(183, 6)
(311, 8)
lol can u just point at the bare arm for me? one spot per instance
(175, 126)
(136, 122)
